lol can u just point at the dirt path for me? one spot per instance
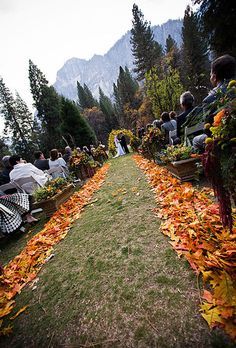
(114, 281)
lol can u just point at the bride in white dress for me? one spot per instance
(119, 149)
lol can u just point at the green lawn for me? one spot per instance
(115, 280)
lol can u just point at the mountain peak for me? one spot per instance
(103, 70)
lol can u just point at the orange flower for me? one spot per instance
(218, 117)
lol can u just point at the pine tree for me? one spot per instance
(37, 82)
(124, 93)
(74, 126)
(48, 105)
(108, 111)
(218, 20)
(170, 44)
(14, 125)
(145, 50)
(195, 69)
(4, 149)
(86, 99)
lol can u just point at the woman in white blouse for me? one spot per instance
(56, 161)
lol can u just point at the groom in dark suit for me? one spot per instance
(123, 143)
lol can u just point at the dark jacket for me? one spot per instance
(181, 120)
(41, 164)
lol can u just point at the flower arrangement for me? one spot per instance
(152, 143)
(219, 160)
(175, 153)
(134, 141)
(78, 158)
(99, 154)
(50, 189)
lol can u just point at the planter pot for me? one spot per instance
(51, 205)
(184, 170)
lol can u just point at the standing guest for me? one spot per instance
(186, 103)
(56, 161)
(68, 154)
(223, 69)
(22, 169)
(40, 161)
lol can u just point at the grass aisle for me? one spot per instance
(114, 281)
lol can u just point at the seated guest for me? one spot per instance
(167, 125)
(56, 161)
(13, 208)
(199, 141)
(68, 154)
(40, 161)
(22, 169)
(157, 124)
(186, 103)
(223, 69)
(4, 175)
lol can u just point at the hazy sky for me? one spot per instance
(51, 31)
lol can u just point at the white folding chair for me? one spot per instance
(56, 172)
(7, 186)
(26, 184)
(190, 131)
(172, 135)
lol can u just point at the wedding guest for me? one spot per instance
(167, 125)
(186, 103)
(223, 69)
(22, 169)
(68, 154)
(56, 161)
(13, 209)
(157, 124)
(40, 161)
(5, 173)
(172, 115)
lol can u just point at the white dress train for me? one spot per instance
(119, 149)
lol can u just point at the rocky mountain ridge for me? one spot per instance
(102, 71)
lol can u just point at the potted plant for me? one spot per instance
(52, 195)
(219, 159)
(180, 161)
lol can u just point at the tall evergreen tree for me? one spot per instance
(86, 99)
(74, 126)
(218, 20)
(170, 44)
(47, 103)
(50, 106)
(124, 93)
(145, 50)
(195, 69)
(18, 121)
(37, 82)
(107, 108)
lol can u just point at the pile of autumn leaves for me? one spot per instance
(25, 267)
(191, 220)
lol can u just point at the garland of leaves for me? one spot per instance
(219, 159)
(25, 267)
(191, 220)
(134, 141)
